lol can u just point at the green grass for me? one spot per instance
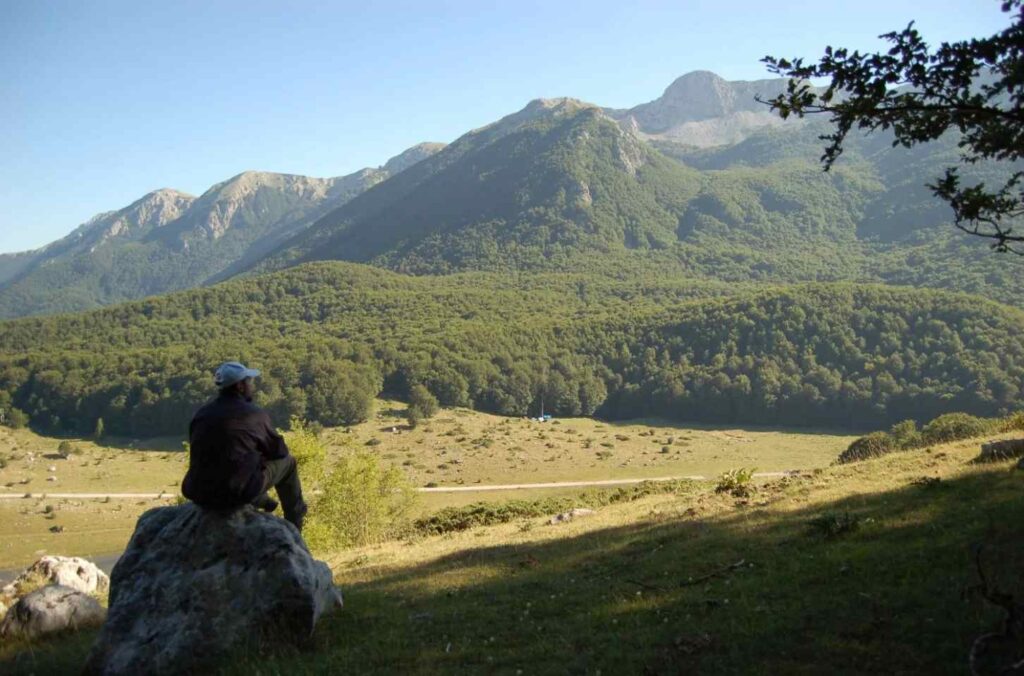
(445, 450)
(653, 586)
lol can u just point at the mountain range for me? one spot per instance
(169, 240)
(702, 182)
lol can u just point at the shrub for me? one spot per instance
(905, 435)
(304, 443)
(869, 446)
(362, 503)
(1013, 422)
(736, 482)
(955, 426)
(422, 405)
(16, 418)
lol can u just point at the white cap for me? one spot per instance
(231, 372)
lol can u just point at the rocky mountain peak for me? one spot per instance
(703, 109)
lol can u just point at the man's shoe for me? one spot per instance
(265, 503)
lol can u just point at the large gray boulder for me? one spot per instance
(195, 585)
(50, 610)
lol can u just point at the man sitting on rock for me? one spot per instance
(236, 456)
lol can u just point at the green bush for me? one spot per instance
(736, 482)
(304, 443)
(422, 405)
(955, 426)
(869, 446)
(1013, 422)
(17, 419)
(905, 435)
(362, 502)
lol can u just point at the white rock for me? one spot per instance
(570, 515)
(51, 468)
(50, 610)
(51, 478)
(196, 585)
(68, 571)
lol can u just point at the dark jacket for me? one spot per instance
(229, 440)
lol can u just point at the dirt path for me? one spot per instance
(433, 489)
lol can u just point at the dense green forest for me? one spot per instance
(331, 336)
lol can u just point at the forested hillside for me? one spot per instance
(331, 336)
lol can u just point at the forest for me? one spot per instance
(330, 337)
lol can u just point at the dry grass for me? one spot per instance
(457, 447)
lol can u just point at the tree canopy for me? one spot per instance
(974, 87)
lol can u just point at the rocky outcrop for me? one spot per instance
(194, 585)
(51, 610)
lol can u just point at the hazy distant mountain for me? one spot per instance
(168, 240)
(701, 109)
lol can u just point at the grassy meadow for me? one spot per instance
(853, 569)
(457, 447)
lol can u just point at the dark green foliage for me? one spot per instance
(955, 426)
(905, 435)
(971, 86)
(869, 446)
(331, 336)
(943, 429)
(422, 405)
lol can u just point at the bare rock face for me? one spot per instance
(50, 610)
(68, 571)
(194, 585)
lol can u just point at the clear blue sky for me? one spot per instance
(101, 102)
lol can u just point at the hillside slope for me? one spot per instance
(860, 569)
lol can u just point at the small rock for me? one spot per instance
(51, 468)
(50, 610)
(570, 515)
(51, 478)
(56, 529)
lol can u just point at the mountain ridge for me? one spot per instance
(168, 240)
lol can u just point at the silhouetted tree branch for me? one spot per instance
(974, 87)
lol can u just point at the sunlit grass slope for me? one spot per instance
(458, 447)
(695, 582)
